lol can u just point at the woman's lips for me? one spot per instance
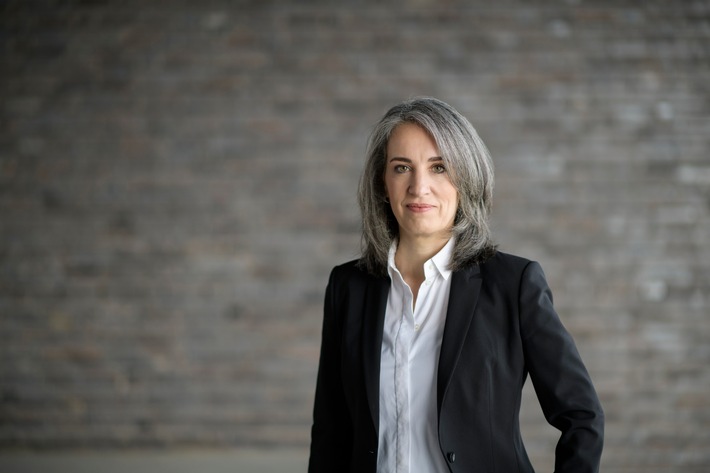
(419, 207)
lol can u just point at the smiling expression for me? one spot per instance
(417, 183)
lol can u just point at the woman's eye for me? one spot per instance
(400, 168)
(438, 168)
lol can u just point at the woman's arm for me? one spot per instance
(561, 381)
(331, 432)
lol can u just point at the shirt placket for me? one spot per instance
(403, 343)
(419, 316)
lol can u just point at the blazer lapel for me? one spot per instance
(373, 327)
(465, 288)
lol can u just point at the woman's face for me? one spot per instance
(422, 197)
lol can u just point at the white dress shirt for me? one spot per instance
(411, 342)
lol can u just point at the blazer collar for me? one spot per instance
(463, 296)
(465, 289)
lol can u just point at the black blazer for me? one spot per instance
(500, 327)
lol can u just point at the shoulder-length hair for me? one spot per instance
(470, 169)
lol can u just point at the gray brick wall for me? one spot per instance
(178, 178)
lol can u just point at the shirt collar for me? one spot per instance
(441, 261)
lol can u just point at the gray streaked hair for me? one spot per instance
(470, 169)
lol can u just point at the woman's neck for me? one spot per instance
(413, 253)
(410, 258)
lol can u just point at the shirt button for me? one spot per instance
(416, 326)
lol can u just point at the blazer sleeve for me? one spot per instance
(331, 432)
(562, 383)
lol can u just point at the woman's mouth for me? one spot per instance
(419, 207)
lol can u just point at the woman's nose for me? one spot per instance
(419, 184)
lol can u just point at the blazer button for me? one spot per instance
(451, 456)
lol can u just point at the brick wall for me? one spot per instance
(177, 180)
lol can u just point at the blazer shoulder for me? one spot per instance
(348, 266)
(510, 270)
(351, 272)
(505, 263)
(347, 270)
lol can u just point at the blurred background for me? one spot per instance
(178, 178)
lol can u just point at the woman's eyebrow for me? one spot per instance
(407, 160)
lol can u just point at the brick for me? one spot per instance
(176, 183)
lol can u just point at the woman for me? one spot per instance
(428, 338)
